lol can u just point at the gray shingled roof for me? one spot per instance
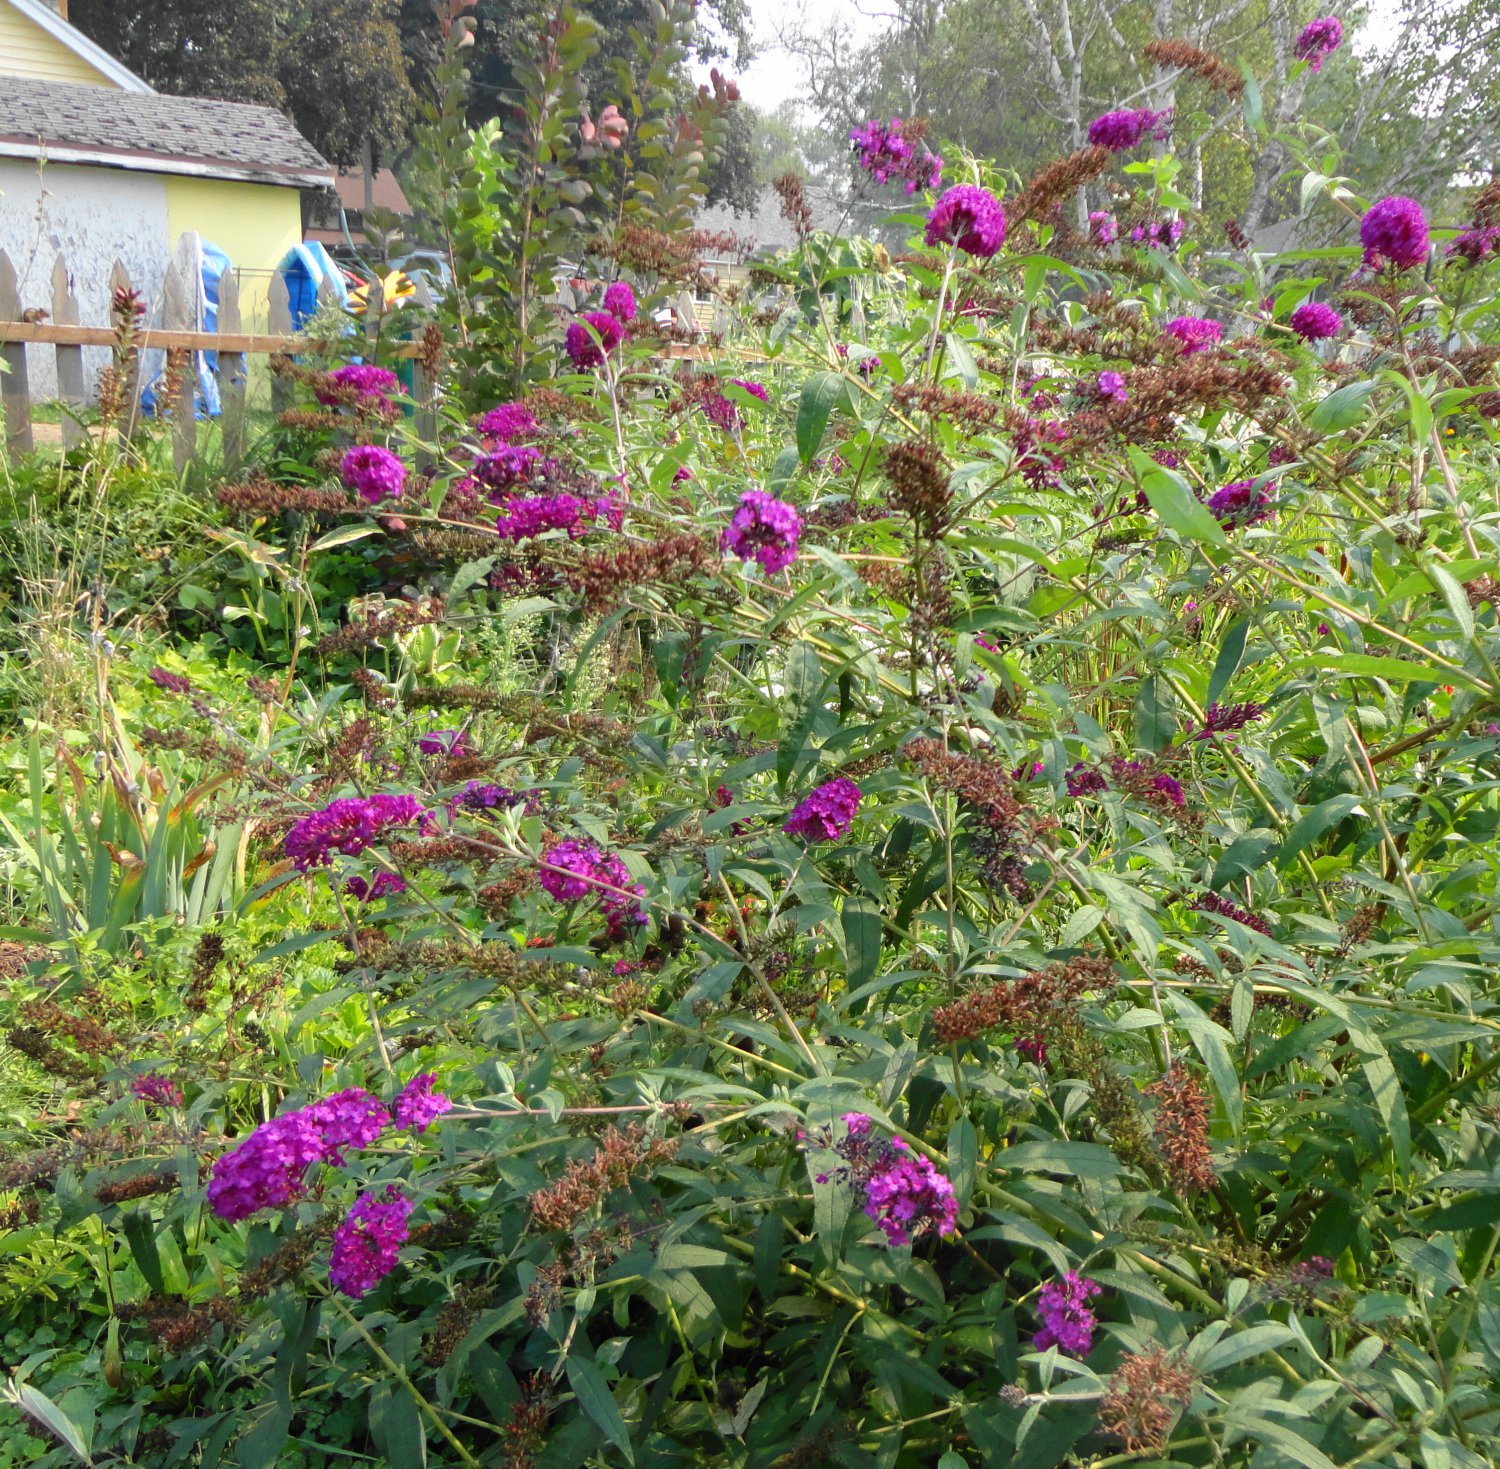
(765, 225)
(156, 134)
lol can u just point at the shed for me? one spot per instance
(98, 167)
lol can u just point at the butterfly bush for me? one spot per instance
(1314, 321)
(367, 1243)
(826, 814)
(1068, 1323)
(1318, 40)
(970, 218)
(1119, 131)
(364, 380)
(853, 856)
(1394, 232)
(373, 473)
(349, 825)
(592, 338)
(765, 530)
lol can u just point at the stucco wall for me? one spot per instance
(26, 50)
(254, 224)
(94, 216)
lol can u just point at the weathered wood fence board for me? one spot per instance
(70, 384)
(14, 390)
(22, 329)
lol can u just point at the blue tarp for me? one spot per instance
(304, 269)
(213, 262)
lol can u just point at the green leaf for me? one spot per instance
(470, 574)
(1071, 1159)
(1227, 664)
(140, 1235)
(1341, 409)
(1175, 504)
(596, 1400)
(962, 360)
(47, 1413)
(1312, 824)
(1479, 1212)
(343, 535)
(1155, 714)
(1242, 1345)
(1244, 855)
(862, 935)
(963, 1158)
(819, 395)
(396, 1425)
(783, 472)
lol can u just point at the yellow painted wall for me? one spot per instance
(26, 50)
(254, 224)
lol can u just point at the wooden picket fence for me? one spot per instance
(67, 337)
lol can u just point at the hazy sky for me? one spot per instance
(773, 76)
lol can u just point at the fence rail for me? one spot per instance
(22, 329)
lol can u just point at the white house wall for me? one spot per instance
(93, 217)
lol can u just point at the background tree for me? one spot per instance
(335, 67)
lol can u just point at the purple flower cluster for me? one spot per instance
(1118, 131)
(482, 796)
(1196, 333)
(577, 870)
(1067, 1321)
(969, 217)
(368, 889)
(1315, 321)
(1221, 719)
(907, 1194)
(1476, 243)
(443, 742)
(826, 813)
(1157, 234)
(352, 1118)
(1394, 232)
(507, 466)
(885, 153)
(1318, 41)
(1111, 385)
(349, 825)
(588, 349)
(157, 1090)
(619, 301)
(418, 1106)
(903, 1194)
(268, 1170)
(507, 423)
(373, 473)
(362, 378)
(522, 518)
(764, 529)
(1084, 780)
(1245, 502)
(1104, 228)
(368, 1242)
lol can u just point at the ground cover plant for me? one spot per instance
(920, 891)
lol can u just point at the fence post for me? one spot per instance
(374, 310)
(180, 378)
(280, 325)
(231, 374)
(13, 386)
(69, 358)
(424, 388)
(130, 367)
